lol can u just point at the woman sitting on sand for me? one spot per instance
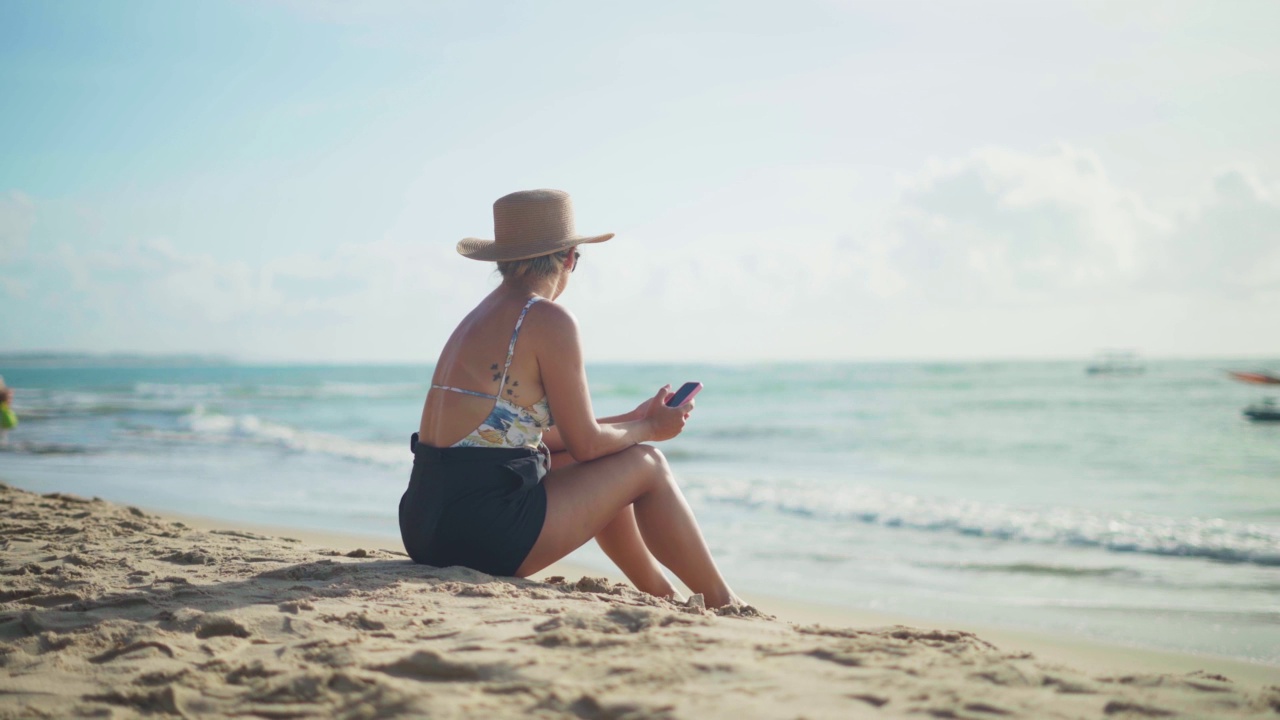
(498, 488)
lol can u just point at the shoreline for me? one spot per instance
(1065, 649)
(109, 610)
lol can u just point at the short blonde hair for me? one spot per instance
(534, 267)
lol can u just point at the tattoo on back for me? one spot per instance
(508, 384)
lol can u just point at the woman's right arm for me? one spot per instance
(564, 378)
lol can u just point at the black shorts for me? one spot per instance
(482, 508)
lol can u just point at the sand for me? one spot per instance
(112, 611)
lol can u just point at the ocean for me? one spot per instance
(1139, 510)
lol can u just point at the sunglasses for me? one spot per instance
(576, 257)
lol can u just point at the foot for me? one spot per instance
(726, 599)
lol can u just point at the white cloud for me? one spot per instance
(1000, 226)
(995, 253)
(157, 297)
(1228, 245)
(17, 217)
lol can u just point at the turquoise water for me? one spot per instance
(1142, 510)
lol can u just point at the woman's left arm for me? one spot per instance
(551, 437)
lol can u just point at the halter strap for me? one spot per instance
(515, 335)
(511, 352)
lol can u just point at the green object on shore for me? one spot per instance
(8, 419)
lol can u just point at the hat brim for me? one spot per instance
(492, 251)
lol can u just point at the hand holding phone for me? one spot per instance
(684, 394)
(664, 423)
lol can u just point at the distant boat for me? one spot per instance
(1260, 377)
(1265, 410)
(1116, 362)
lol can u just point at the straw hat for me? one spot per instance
(527, 224)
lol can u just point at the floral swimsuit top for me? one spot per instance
(509, 425)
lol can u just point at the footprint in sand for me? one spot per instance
(428, 665)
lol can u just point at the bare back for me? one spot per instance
(473, 359)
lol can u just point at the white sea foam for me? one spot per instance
(177, 391)
(180, 397)
(201, 424)
(62, 403)
(333, 390)
(1211, 538)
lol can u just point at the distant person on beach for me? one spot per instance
(8, 418)
(496, 486)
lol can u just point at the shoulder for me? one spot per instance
(552, 324)
(550, 316)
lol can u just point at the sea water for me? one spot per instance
(1140, 510)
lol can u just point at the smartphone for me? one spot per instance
(684, 394)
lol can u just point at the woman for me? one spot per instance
(497, 487)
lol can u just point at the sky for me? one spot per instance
(286, 181)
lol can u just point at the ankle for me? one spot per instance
(663, 589)
(721, 599)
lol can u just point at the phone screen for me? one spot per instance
(682, 395)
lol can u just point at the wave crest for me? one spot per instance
(1123, 532)
(200, 424)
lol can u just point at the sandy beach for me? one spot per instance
(112, 611)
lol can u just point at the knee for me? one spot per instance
(651, 457)
(654, 464)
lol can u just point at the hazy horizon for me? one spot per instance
(829, 181)
(35, 359)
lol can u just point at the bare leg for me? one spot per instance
(621, 541)
(583, 499)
